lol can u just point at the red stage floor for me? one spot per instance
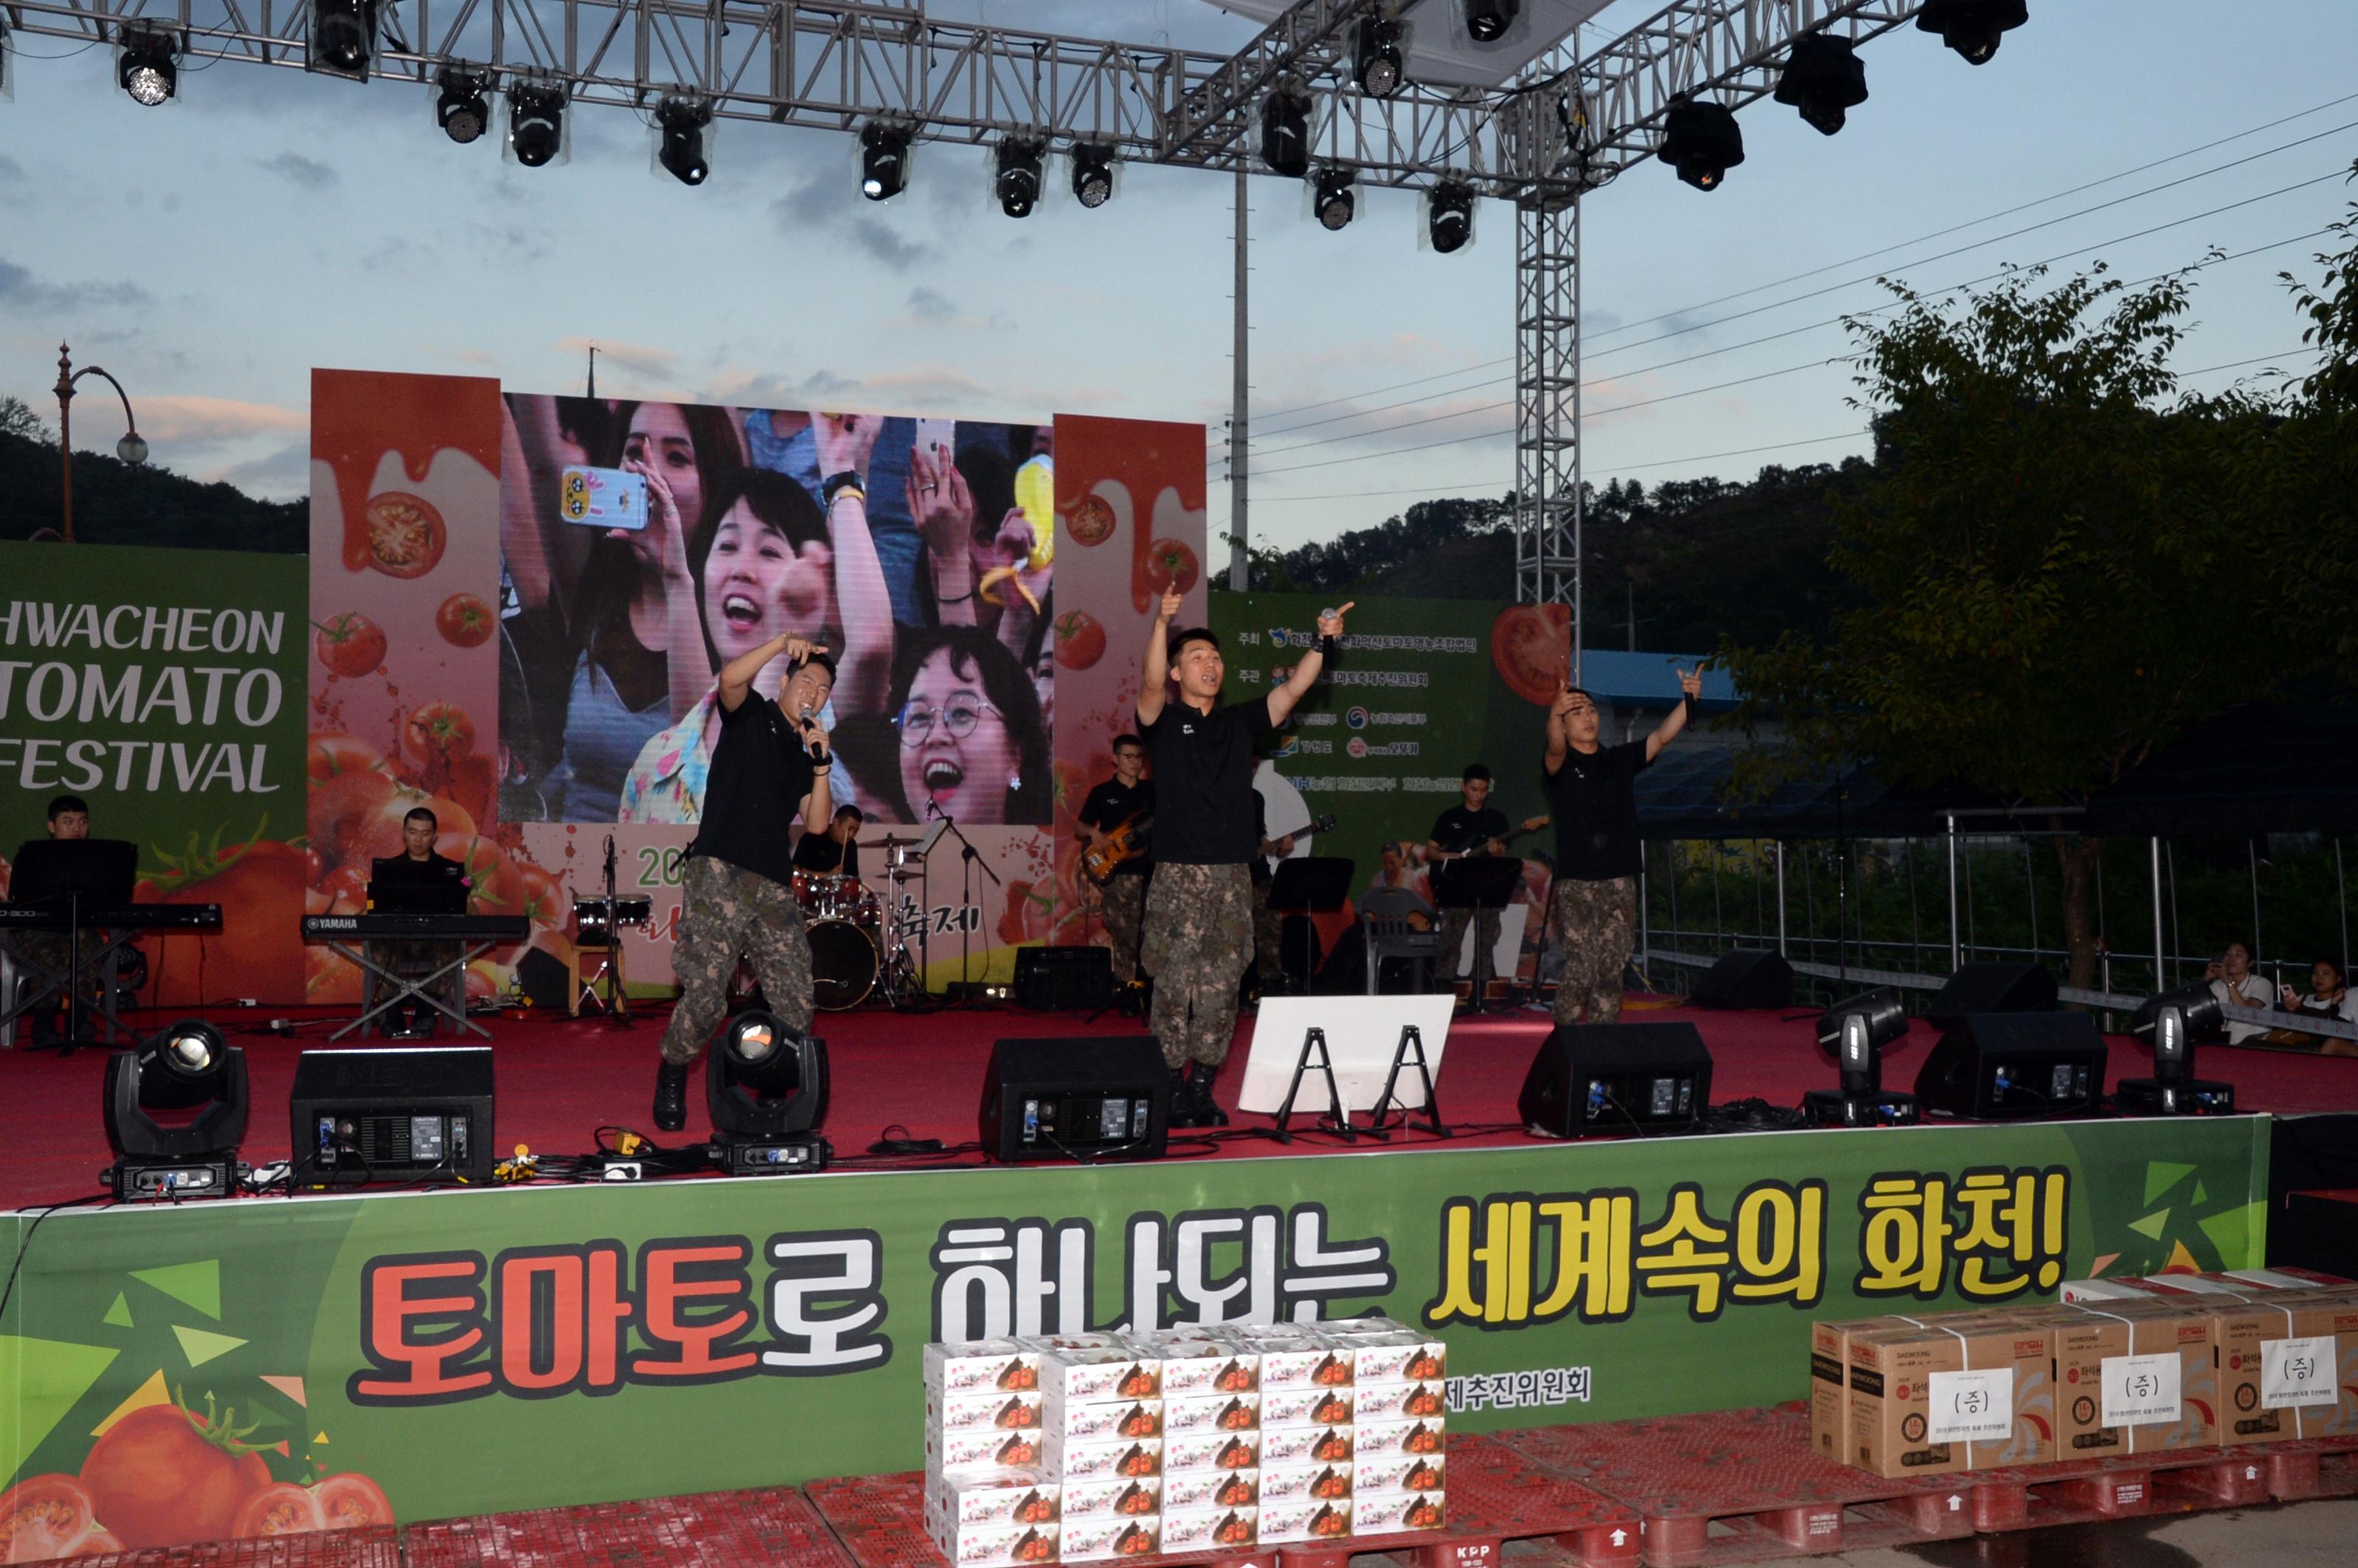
(561, 1080)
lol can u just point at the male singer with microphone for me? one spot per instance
(736, 889)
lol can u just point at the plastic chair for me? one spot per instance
(1385, 925)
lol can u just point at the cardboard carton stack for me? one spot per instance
(1102, 1439)
(1306, 1432)
(988, 1503)
(1398, 1479)
(2120, 1367)
(1211, 1438)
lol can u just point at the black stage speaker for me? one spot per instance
(544, 981)
(2007, 1067)
(1091, 1097)
(1607, 1077)
(1993, 988)
(392, 1114)
(1055, 978)
(1747, 977)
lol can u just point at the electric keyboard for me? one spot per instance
(138, 917)
(494, 928)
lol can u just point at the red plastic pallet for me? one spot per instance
(2075, 1491)
(2309, 1468)
(759, 1529)
(375, 1546)
(1727, 1486)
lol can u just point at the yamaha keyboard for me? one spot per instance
(138, 917)
(492, 928)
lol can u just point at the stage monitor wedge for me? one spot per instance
(2015, 1066)
(1993, 988)
(392, 1114)
(1080, 1098)
(1616, 1077)
(1747, 977)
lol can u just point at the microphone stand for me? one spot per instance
(618, 1002)
(969, 857)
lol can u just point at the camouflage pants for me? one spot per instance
(1485, 942)
(1269, 935)
(1122, 906)
(726, 913)
(1197, 941)
(1599, 923)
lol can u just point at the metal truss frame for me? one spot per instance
(1569, 123)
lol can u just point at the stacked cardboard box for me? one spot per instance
(1398, 1477)
(2130, 1366)
(988, 1503)
(1101, 1439)
(1306, 1432)
(1211, 1438)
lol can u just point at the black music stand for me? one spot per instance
(1312, 884)
(77, 877)
(1475, 883)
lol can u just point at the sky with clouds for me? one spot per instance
(210, 252)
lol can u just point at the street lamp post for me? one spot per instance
(132, 450)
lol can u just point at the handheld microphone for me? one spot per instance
(810, 747)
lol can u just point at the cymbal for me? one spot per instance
(889, 843)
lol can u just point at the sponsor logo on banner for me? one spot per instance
(1356, 718)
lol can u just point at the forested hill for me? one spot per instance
(115, 503)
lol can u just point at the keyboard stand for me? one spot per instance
(103, 956)
(401, 989)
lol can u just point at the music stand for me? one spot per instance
(1475, 883)
(79, 876)
(1312, 884)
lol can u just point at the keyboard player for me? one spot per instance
(69, 821)
(418, 882)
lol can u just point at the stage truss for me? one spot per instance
(1566, 125)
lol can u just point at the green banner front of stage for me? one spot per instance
(467, 1352)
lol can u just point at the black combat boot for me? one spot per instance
(671, 1096)
(1182, 1112)
(1202, 1109)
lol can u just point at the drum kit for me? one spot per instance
(855, 951)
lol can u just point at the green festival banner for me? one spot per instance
(420, 1356)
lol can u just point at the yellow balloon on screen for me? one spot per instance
(1035, 497)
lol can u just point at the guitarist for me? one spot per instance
(1474, 827)
(1127, 798)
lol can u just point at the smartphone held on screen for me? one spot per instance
(934, 434)
(602, 498)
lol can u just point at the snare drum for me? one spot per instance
(843, 965)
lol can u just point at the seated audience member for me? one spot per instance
(2239, 991)
(2329, 997)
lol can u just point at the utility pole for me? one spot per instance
(132, 448)
(593, 371)
(1239, 435)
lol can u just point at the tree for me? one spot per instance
(18, 418)
(2053, 557)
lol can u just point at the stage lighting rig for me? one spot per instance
(1376, 57)
(1972, 27)
(1449, 216)
(1486, 21)
(2169, 1022)
(1703, 142)
(1336, 202)
(1855, 1032)
(765, 1088)
(343, 37)
(184, 1069)
(1092, 174)
(1285, 133)
(536, 122)
(460, 108)
(883, 160)
(1016, 179)
(148, 67)
(1825, 79)
(682, 127)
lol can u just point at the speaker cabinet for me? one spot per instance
(392, 1114)
(1747, 977)
(2013, 1066)
(1094, 1097)
(1993, 988)
(1056, 979)
(1616, 1077)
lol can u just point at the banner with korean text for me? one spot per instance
(693, 1336)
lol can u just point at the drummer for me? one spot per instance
(835, 852)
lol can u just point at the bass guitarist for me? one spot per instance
(1473, 828)
(1119, 814)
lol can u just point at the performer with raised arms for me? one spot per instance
(1198, 932)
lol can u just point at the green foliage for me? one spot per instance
(18, 417)
(115, 503)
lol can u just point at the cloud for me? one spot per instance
(621, 349)
(930, 305)
(464, 356)
(20, 290)
(284, 475)
(11, 171)
(189, 421)
(310, 174)
(940, 389)
(830, 200)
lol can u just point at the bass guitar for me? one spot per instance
(1125, 843)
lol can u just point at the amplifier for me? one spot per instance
(1093, 1098)
(1055, 978)
(392, 1114)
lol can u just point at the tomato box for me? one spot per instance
(987, 1410)
(1098, 1375)
(1377, 1439)
(1099, 1422)
(1397, 1513)
(1293, 1483)
(1088, 1461)
(981, 1364)
(1208, 1529)
(1117, 1497)
(1299, 1358)
(1211, 1413)
(1210, 1490)
(991, 1495)
(1093, 1538)
(1397, 1473)
(1402, 1402)
(994, 1545)
(1305, 1445)
(1401, 1356)
(1188, 1452)
(1200, 1363)
(1307, 1520)
(985, 1446)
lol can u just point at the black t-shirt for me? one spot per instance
(1113, 803)
(1594, 799)
(435, 885)
(752, 789)
(819, 853)
(1459, 830)
(1207, 760)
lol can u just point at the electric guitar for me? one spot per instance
(1531, 825)
(1125, 843)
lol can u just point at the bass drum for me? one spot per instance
(843, 965)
